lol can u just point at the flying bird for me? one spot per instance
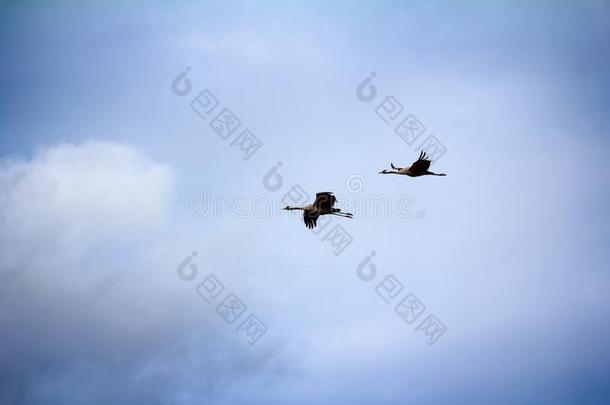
(418, 168)
(322, 206)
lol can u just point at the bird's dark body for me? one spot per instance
(324, 205)
(418, 168)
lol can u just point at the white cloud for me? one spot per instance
(92, 309)
(104, 187)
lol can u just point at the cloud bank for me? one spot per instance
(90, 312)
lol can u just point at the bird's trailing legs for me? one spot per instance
(337, 211)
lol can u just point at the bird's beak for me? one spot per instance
(286, 208)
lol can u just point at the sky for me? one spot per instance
(146, 257)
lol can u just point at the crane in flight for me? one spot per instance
(418, 168)
(322, 206)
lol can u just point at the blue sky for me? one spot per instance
(102, 167)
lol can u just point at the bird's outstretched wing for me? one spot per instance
(310, 220)
(325, 201)
(421, 165)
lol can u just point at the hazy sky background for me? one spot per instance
(101, 160)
